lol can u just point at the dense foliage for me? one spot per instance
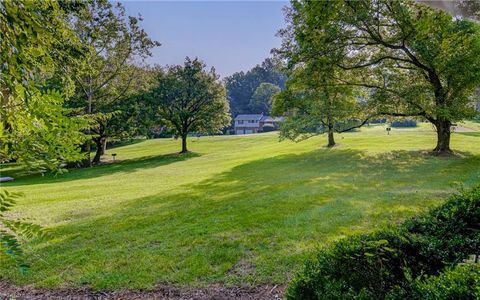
(35, 129)
(461, 282)
(241, 86)
(390, 264)
(262, 97)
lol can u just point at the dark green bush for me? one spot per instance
(461, 282)
(449, 233)
(268, 128)
(384, 264)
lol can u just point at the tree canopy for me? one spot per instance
(35, 128)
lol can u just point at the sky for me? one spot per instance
(228, 35)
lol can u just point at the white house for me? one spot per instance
(254, 123)
(246, 124)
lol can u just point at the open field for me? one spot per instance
(238, 210)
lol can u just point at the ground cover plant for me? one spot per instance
(236, 210)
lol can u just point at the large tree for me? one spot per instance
(106, 75)
(417, 61)
(191, 99)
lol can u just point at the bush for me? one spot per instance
(384, 264)
(448, 233)
(404, 123)
(378, 121)
(268, 128)
(461, 282)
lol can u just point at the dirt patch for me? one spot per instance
(217, 292)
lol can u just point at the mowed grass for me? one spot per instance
(238, 210)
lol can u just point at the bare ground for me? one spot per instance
(217, 292)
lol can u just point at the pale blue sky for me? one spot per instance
(229, 35)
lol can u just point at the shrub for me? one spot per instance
(378, 121)
(461, 282)
(448, 233)
(384, 264)
(268, 128)
(404, 123)
(354, 268)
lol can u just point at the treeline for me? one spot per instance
(251, 92)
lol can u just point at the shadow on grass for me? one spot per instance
(254, 223)
(119, 166)
(473, 134)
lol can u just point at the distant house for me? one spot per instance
(247, 124)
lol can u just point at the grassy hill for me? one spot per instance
(238, 210)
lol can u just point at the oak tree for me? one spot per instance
(416, 60)
(191, 99)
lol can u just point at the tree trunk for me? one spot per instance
(104, 145)
(86, 162)
(99, 142)
(443, 137)
(184, 144)
(331, 139)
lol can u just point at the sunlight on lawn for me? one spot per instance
(237, 210)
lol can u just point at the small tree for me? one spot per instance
(191, 99)
(315, 104)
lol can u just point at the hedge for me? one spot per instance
(389, 264)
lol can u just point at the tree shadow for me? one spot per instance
(472, 134)
(119, 166)
(251, 224)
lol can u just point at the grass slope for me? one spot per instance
(239, 210)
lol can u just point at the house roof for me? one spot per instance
(272, 119)
(248, 117)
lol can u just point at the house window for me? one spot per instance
(240, 122)
(251, 121)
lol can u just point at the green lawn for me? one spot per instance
(238, 210)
